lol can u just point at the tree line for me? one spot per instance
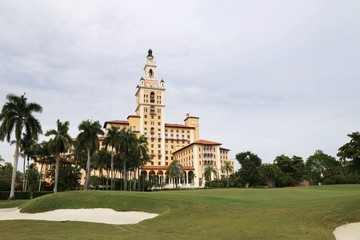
(286, 171)
(128, 152)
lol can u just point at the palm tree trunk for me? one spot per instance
(112, 168)
(227, 178)
(42, 164)
(27, 174)
(57, 166)
(24, 177)
(138, 177)
(130, 179)
(125, 183)
(87, 178)
(13, 176)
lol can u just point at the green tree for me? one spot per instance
(32, 176)
(6, 172)
(102, 159)
(88, 139)
(269, 173)
(209, 170)
(43, 157)
(320, 165)
(175, 172)
(113, 137)
(17, 116)
(1, 160)
(351, 152)
(249, 171)
(69, 177)
(28, 148)
(293, 169)
(128, 145)
(143, 156)
(58, 144)
(228, 168)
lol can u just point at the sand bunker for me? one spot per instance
(348, 232)
(97, 215)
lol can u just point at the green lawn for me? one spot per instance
(288, 213)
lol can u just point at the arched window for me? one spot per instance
(151, 73)
(152, 131)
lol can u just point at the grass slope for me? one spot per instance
(289, 213)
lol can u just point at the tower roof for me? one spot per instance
(150, 53)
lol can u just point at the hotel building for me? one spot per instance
(169, 141)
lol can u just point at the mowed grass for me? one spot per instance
(288, 213)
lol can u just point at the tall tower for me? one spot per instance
(150, 106)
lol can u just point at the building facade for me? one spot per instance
(169, 141)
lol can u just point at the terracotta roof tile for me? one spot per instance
(116, 122)
(173, 125)
(206, 142)
(201, 142)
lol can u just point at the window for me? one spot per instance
(152, 97)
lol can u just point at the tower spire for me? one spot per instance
(150, 53)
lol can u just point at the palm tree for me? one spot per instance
(88, 139)
(143, 154)
(28, 147)
(60, 143)
(208, 171)
(228, 168)
(43, 157)
(1, 159)
(103, 157)
(128, 145)
(17, 116)
(112, 139)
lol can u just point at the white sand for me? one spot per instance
(348, 232)
(97, 215)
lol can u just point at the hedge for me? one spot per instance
(39, 194)
(5, 185)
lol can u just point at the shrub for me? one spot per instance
(39, 194)
(5, 185)
(217, 183)
(285, 181)
(23, 195)
(4, 195)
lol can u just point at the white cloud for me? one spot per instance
(268, 76)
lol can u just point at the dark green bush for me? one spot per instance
(23, 195)
(285, 181)
(39, 194)
(4, 195)
(5, 185)
(217, 183)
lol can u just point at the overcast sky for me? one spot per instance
(271, 77)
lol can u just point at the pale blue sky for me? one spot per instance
(272, 77)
